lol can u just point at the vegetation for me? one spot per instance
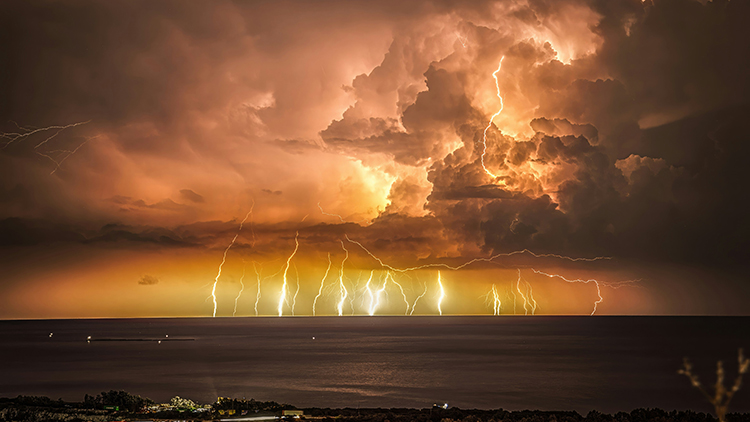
(39, 409)
(180, 403)
(122, 400)
(250, 405)
(721, 397)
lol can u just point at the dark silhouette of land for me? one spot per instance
(120, 405)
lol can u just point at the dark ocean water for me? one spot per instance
(550, 363)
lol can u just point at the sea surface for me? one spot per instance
(549, 363)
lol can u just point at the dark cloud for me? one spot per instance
(192, 196)
(148, 280)
(677, 53)
(129, 204)
(562, 127)
(24, 232)
(130, 236)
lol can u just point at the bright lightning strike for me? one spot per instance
(224, 259)
(529, 302)
(322, 282)
(496, 300)
(526, 302)
(353, 296)
(342, 287)
(417, 299)
(257, 295)
(242, 288)
(282, 295)
(375, 297)
(294, 299)
(530, 296)
(401, 288)
(369, 293)
(442, 294)
(489, 124)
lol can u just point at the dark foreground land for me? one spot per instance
(121, 406)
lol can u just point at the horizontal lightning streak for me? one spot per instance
(25, 133)
(473, 261)
(578, 280)
(341, 219)
(15, 136)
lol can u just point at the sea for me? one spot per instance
(602, 363)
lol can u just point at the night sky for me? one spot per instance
(138, 135)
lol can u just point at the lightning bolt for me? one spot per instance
(224, 259)
(331, 215)
(401, 288)
(355, 290)
(13, 137)
(294, 299)
(489, 124)
(257, 276)
(417, 299)
(342, 287)
(596, 282)
(322, 282)
(495, 300)
(340, 217)
(530, 296)
(25, 133)
(244, 264)
(375, 297)
(518, 289)
(67, 153)
(473, 261)
(442, 294)
(369, 293)
(527, 301)
(282, 295)
(460, 39)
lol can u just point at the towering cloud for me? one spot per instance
(622, 133)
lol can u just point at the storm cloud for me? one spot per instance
(623, 131)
